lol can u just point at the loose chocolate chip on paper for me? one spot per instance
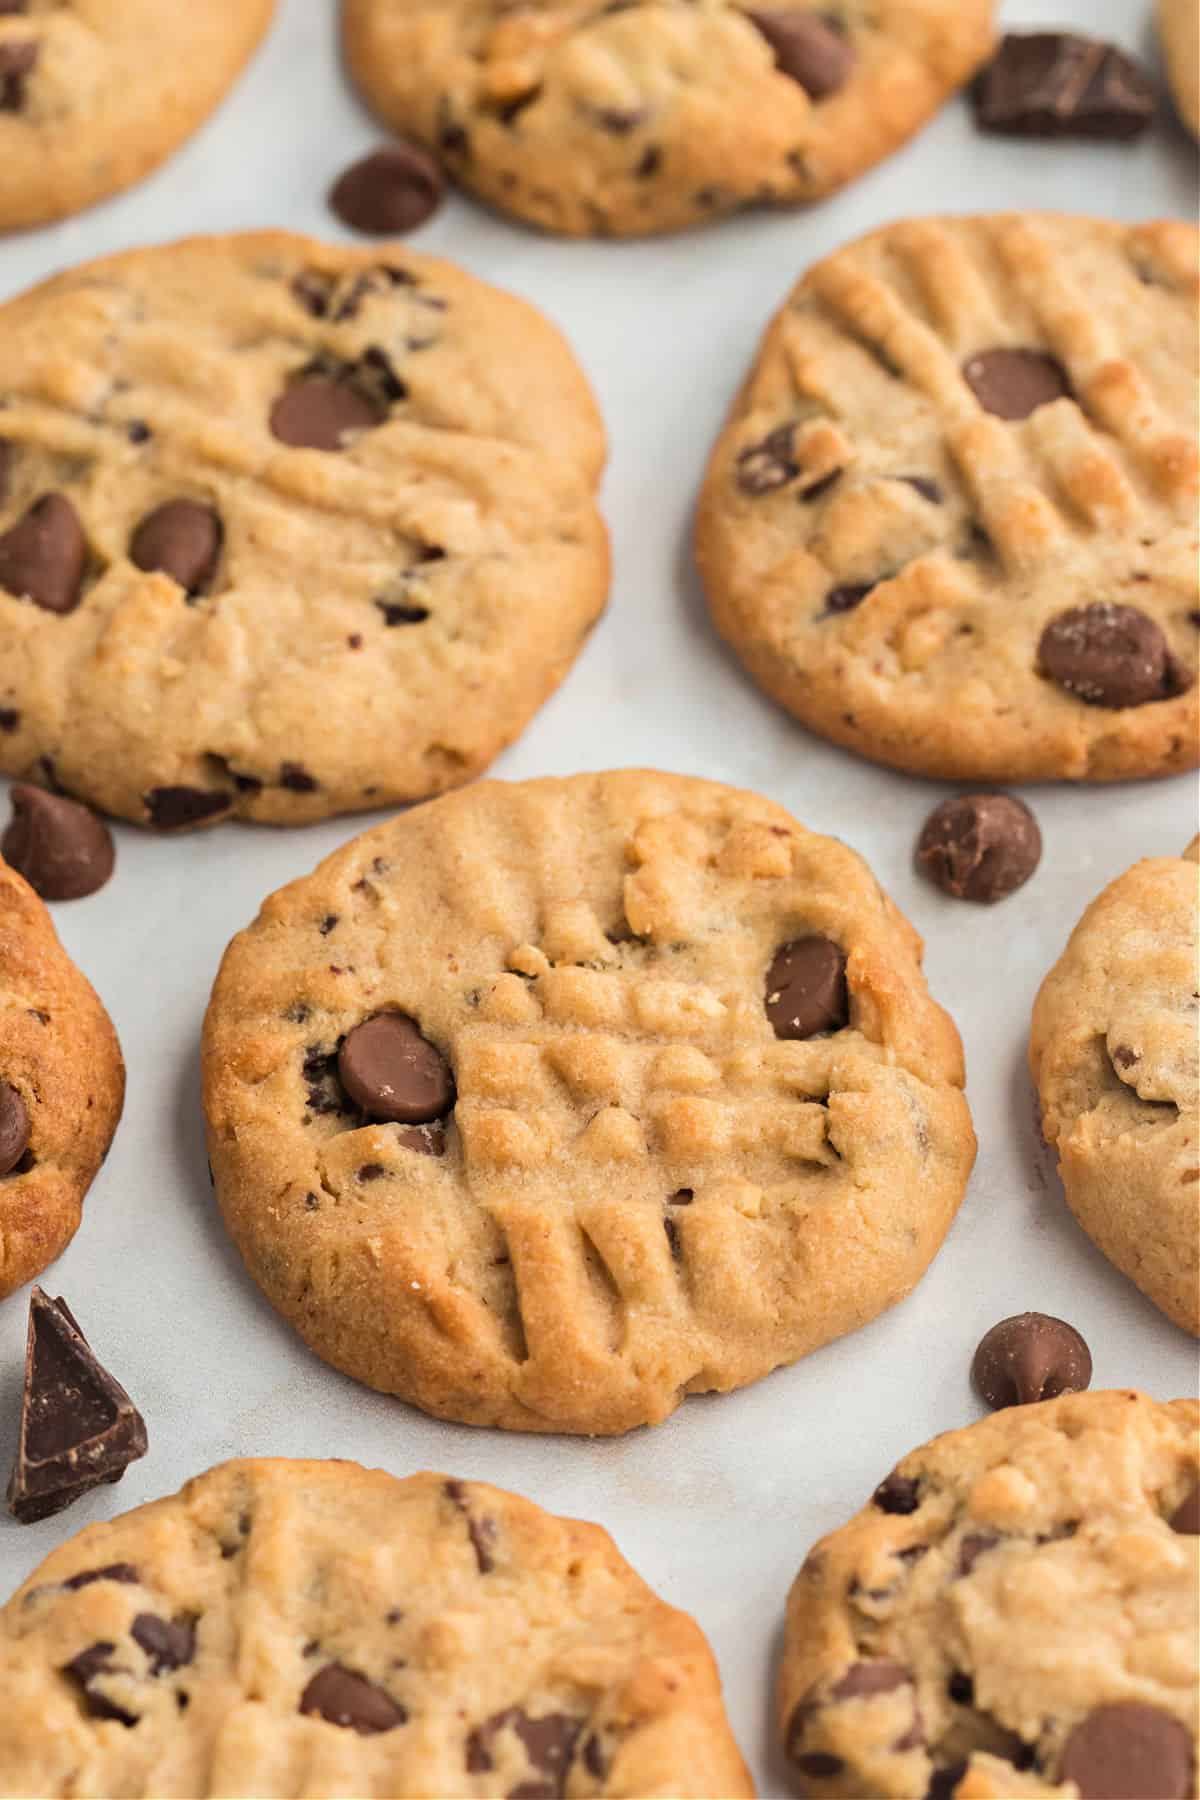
(1012, 383)
(391, 191)
(61, 848)
(182, 539)
(1186, 1517)
(317, 412)
(346, 1698)
(1053, 84)
(1129, 1751)
(17, 63)
(807, 48)
(806, 991)
(1108, 655)
(14, 1128)
(179, 808)
(44, 555)
(1030, 1357)
(980, 846)
(394, 1073)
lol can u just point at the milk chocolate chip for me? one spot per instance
(807, 48)
(14, 1128)
(1014, 383)
(345, 1698)
(17, 63)
(1030, 1357)
(181, 539)
(1129, 1752)
(389, 192)
(980, 846)
(61, 848)
(316, 413)
(1186, 1517)
(1109, 655)
(43, 556)
(806, 991)
(394, 1073)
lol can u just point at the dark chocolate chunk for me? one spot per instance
(78, 1425)
(1109, 655)
(961, 1689)
(181, 539)
(1186, 1517)
(84, 1669)
(806, 991)
(61, 848)
(1030, 1357)
(980, 846)
(549, 1745)
(393, 1073)
(179, 808)
(391, 191)
(807, 48)
(14, 1128)
(18, 59)
(1054, 84)
(1014, 383)
(897, 1494)
(1129, 1751)
(316, 412)
(44, 555)
(168, 1643)
(345, 1698)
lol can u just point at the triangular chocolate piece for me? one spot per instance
(78, 1426)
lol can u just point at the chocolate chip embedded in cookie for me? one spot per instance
(644, 1114)
(401, 1662)
(344, 567)
(614, 121)
(950, 523)
(959, 1645)
(1113, 1051)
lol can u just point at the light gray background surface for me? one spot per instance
(718, 1506)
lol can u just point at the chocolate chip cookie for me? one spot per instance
(951, 523)
(319, 1628)
(92, 97)
(1179, 29)
(62, 1084)
(601, 120)
(1114, 1055)
(285, 529)
(546, 1105)
(1014, 1612)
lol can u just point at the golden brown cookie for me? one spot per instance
(95, 93)
(600, 120)
(1013, 1613)
(297, 1628)
(62, 1084)
(952, 522)
(1179, 29)
(1114, 1055)
(547, 1104)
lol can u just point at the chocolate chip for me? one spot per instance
(345, 1698)
(549, 1744)
(17, 62)
(925, 486)
(426, 1140)
(1053, 84)
(943, 1782)
(168, 1643)
(44, 555)
(181, 539)
(111, 1572)
(621, 121)
(1108, 655)
(980, 846)
(394, 614)
(10, 718)
(806, 991)
(389, 192)
(682, 1197)
(296, 778)
(862, 1679)
(846, 598)
(972, 1547)
(1014, 383)
(768, 465)
(595, 1760)
(897, 1494)
(481, 1529)
(84, 1669)
(807, 49)
(961, 1689)
(819, 1763)
(1186, 1517)
(179, 808)
(61, 848)
(316, 412)
(8, 455)
(138, 432)
(1129, 1752)
(14, 1128)
(392, 1072)
(1030, 1357)
(314, 290)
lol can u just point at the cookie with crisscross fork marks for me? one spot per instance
(1114, 1054)
(614, 120)
(285, 529)
(301, 1628)
(952, 522)
(95, 93)
(548, 1104)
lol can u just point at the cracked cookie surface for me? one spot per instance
(286, 1628)
(286, 529)
(652, 115)
(545, 1105)
(95, 93)
(1014, 1609)
(1113, 1051)
(951, 523)
(62, 1084)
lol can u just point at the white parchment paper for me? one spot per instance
(718, 1506)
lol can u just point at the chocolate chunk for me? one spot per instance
(980, 846)
(392, 1072)
(168, 1643)
(111, 1572)
(1014, 383)
(549, 1744)
(17, 63)
(14, 1128)
(846, 598)
(78, 1426)
(345, 1698)
(897, 1494)
(806, 991)
(807, 48)
(181, 539)
(179, 808)
(44, 555)
(1186, 1517)
(1030, 1357)
(1109, 655)
(972, 1547)
(862, 1679)
(391, 191)
(1129, 1752)
(316, 412)
(84, 1669)
(481, 1528)
(426, 1140)
(61, 848)
(768, 465)
(1054, 84)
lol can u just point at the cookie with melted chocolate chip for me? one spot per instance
(608, 1090)
(303, 1627)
